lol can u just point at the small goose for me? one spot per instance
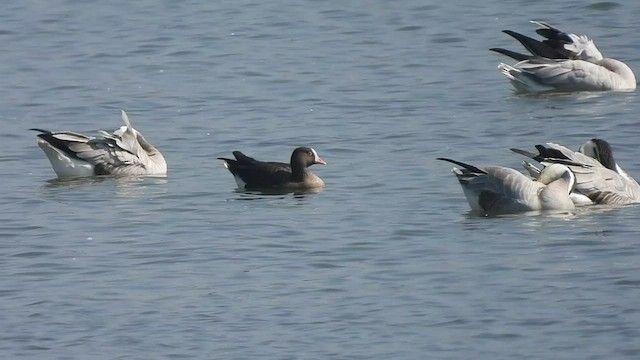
(252, 174)
(122, 153)
(500, 190)
(563, 62)
(598, 176)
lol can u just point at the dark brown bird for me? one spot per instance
(252, 174)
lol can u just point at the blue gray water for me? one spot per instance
(385, 263)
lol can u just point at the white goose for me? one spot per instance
(563, 62)
(598, 176)
(500, 190)
(124, 152)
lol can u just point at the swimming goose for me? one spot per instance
(598, 176)
(252, 174)
(563, 62)
(501, 190)
(124, 152)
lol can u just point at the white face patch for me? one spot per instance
(315, 155)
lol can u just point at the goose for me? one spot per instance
(493, 190)
(598, 176)
(252, 174)
(124, 152)
(563, 62)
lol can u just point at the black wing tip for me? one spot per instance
(550, 155)
(242, 158)
(537, 157)
(512, 54)
(237, 154)
(466, 166)
(41, 130)
(451, 161)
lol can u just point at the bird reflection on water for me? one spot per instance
(276, 193)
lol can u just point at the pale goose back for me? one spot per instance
(500, 190)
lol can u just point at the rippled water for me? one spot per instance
(386, 262)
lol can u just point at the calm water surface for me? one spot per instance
(385, 263)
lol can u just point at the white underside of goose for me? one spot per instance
(63, 165)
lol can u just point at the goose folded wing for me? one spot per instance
(550, 72)
(265, 174)
(106, 154)
(603, 186)
(508, 190)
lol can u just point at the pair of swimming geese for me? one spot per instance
(565, 179)
(560, 62)
(125, 152)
